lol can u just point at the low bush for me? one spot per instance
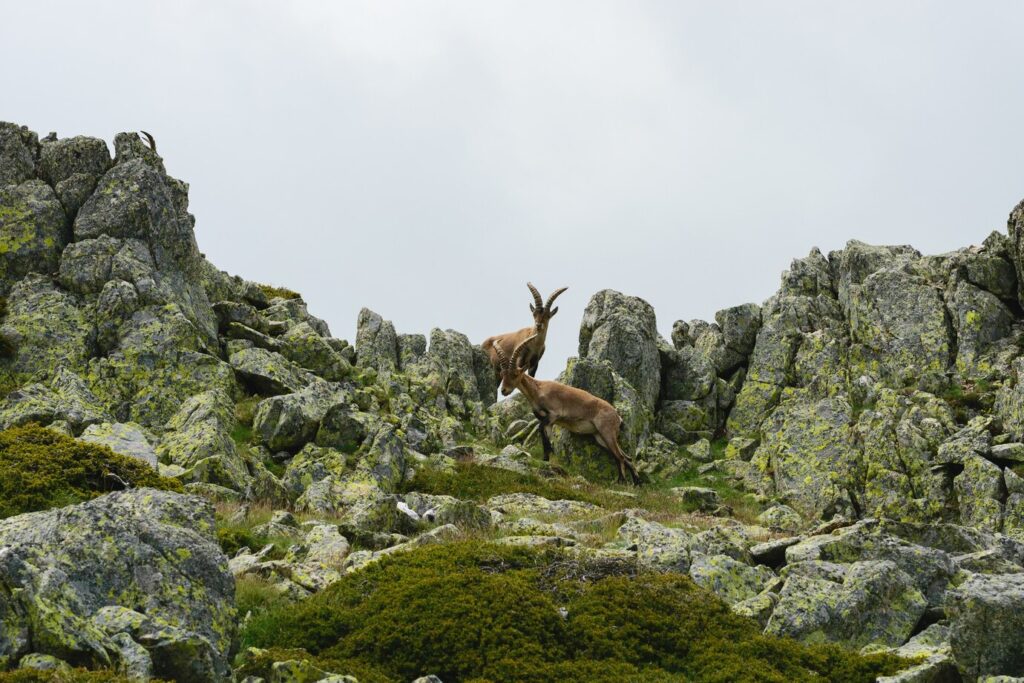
(69, 676)
(41, 469)
(475, 611)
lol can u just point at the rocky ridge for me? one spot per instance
(870, 412)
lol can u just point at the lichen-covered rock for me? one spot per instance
(739, 326)
(623, 330)
(930, 568)
(117, 303)
(198, 438)
(808, 449)
(729, 579)
(376, 342)
(659, 456)
(872, 603)
(357, 501)
(310, 465)
(980, 494)
(931, 645)
(385, 460)
(32, 232)
(289, 421)
(657, 546)
(857, 261)
(781, 518)
(451, 356)
(805, 305)
(124, 438)
(268, 372)
(47, 327)
(62, 158)
(137, 202)
(441, 510)
(147, 551)
(341, 427)
(687, 374)
(900, 436)
(899, 321)
(74, 190)
(1015, 230)
(160, 360)
(86, 266)
(531, 505)
(19, 149)
(306, 348)
(981, 321)
(411, 349)
(986, 616)
(67, 399)
(287, 313)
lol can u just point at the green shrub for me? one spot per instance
(470, 611)
(42, 469)
(71, 676)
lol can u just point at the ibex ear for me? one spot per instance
(532, 309)
(553, 311)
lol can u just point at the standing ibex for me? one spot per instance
(542, 313)
(555, 403)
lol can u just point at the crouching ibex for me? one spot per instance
(555, 403)
(530, 359)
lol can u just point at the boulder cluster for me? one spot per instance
(872, 410)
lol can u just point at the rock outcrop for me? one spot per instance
(866, 422)
(130, 579)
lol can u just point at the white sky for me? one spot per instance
(426, 159)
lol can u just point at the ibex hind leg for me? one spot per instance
(612, 438)
(614, 451)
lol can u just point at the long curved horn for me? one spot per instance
(519, 350)
(502, 361)
(536, 296)
(152, 142)
(554, 295)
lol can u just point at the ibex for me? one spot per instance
(150, 140)
(542, 313)
(555, 403)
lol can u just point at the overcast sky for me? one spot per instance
(426, 159)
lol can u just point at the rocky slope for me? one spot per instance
(858, 440)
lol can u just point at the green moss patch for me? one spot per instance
(475, 611)
(279, 292)
(42, 469)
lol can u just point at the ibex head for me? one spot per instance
(542, 312)
(511, 373)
